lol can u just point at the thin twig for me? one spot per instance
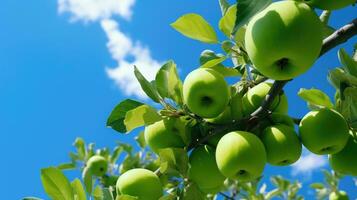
(226, 196)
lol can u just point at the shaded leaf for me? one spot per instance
(148, 87)
(116, 153)
(116, 118)
(56, 184)
(192, 191)
(209, 59)
(140, 139)
(31, 198)
(224, 5)
(315, 97)
(173, 161)
(246, 10)
(195, 27)
(140, 116)
(98, 193)
(318, 186)
(348, 63)
(88, 180)
(168, 82)
(66, 166)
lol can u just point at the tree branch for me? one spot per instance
(340, 36)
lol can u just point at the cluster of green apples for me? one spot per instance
(283, 41)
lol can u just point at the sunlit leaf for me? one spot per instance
(78, 190)
(196, 27)
(56, 184)
(148, 87)
(315, 97)
(140, 116)
(348, 63)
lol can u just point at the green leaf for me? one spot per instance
(147, 86)
(173, 160)
(317, 186)
(81, 148)
(315, 97)
(116, 153)
(338, 76)
(79, 193)
(116, 118)
(98, 193)
(209, 59)
(246, 10)
(108, 194)
(226, 25)
(56, 184)
(224, 6)
(140, 139)
(192, 191)
(67, 166)
(349, 106)
(348, 63)
(31, 198)
(88, 180)
(140, 116)
(126, 197)
(130, 162)
(168, 82)
(195, 27)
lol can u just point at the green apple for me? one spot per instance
(165, 133)
(284, 40)
(340, 195)
(141, 183)
(255, 96)
(330, 4)
(98, 165)
(324, 131)
(282, 145)
(240, 155)
(345, 161)
(204, 171)
(206, 93)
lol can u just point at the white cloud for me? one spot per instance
(122, 48)
(93, 10)
(308, 163)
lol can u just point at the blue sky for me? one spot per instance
(64, 66)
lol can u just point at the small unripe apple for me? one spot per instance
(340, 195)
(98, 165)
(140, 183)
(204, 171)
(330, 4)
(282, 145)
(324, 131)
(255, 96)
(240, 155)
(164, 134)
(284, 40)
(345, 161)
(206, 93)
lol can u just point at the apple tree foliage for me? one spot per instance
(207, 139)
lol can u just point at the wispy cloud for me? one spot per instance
(126, 51)
(308, 163)
(94, 10)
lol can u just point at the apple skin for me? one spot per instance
(141, 183)
(284, 40)
(255, 96)
(98, 165)
(324, 131)
(164, 134)
(204, 171)
(340, 195)
(330, 4)
(240, 155)
(345, 161)
(206, 93)
(282, 145)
